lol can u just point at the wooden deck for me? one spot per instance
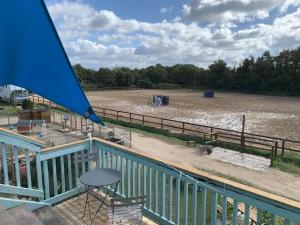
(72, 211)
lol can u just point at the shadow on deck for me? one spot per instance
(72, 210)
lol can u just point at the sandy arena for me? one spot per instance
(270, 115)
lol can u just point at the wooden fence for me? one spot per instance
(263, 142)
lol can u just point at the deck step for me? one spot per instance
(6, 218)
(24, 216)
(49, 217)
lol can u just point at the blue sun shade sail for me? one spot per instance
(32, 56)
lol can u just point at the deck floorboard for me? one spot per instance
(72, 210)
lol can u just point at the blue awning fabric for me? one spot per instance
(32, 56)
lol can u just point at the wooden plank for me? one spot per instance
(194, 203)
(28, 171)
(70, 172)
(213, 214)
(224, 210)
(8, 189)
(62, 173)
(54, 176)
(9, 203)
(4, 163)
(186, 202)
(46, 179)
(17, 167)
(170, 194)
(203, 206)
(162, 194)
(235, 212)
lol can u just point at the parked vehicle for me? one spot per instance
(13, 94)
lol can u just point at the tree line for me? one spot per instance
(270, 74)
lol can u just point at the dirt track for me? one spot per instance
(270, 115)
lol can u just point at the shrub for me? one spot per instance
(27, 104)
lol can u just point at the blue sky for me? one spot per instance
(110, 33)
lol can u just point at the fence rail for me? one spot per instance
(264, 142)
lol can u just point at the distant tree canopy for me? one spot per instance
(280, 73)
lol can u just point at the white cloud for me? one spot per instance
(233, 10)
(165, 10)
(101, 38)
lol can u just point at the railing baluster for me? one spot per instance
(287, 222)
(46, 179)
(82, 162)
(195, 195)
(177, 200)
(123, 177)
(39, 171)
(117, 168)
(203, 206)
(76, 168)
(17, 167)
(224, 210)
(150, 189)
(28, 170)
(4, 163)
(62, 173)
(235, 212)
(128, 177)
(162, 194)
(100, 165)
(133, 178)
(103, 159)
(54, 176)
(70, 172)
(273, 217)
(247, 214)
(213, 214)
(144, 181)
(170, 197)
(139, 178)
(186, 202)
(156, 191)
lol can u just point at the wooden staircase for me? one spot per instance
(23, 216)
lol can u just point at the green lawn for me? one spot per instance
(7, 109)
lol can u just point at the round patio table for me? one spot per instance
(98, 178)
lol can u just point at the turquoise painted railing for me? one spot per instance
(173, 197)
(20, 170)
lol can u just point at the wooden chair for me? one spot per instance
(126, 210)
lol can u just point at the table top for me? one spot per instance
(100, 177)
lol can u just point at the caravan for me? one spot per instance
(13, 94)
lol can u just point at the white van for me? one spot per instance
(13, 94)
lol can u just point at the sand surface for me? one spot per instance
(270, 115)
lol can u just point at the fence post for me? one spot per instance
(183, 124)
(211, 132)
(117, 115)
(130, 137)
(161, 123)
(272, 157)
(143, 119)
(282, 147)
(243, 133)
(276, 148)
(130, 114)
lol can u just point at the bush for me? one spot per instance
(27, 104)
